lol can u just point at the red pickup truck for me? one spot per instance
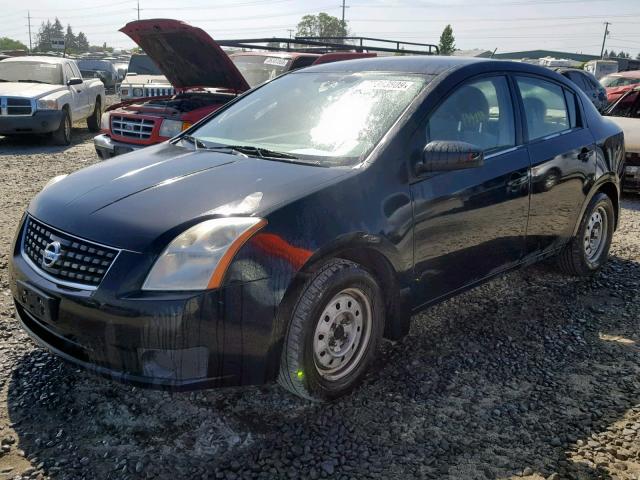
(204, 78)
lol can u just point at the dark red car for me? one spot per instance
(617, 84)
(204, 78)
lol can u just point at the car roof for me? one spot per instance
(629, 73)
(275, 54)
(427, 65)
(37, 58)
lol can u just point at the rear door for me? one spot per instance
(470, 224)
(561, 149)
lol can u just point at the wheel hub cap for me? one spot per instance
(595, 234)
(342, 333)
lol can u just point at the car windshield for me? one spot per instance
(36, 72)
(332, 119)
(257, 69)
(143, 65)
(616, 81)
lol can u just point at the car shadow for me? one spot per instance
(34, 144)
(513, 378)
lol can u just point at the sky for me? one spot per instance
(505, 25)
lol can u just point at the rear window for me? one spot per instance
(258, 69)
(143, 65)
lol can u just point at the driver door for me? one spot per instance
(78, 95)
(471, 223)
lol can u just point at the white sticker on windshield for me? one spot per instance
(399, 85)
(280, 62)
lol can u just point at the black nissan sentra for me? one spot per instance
(289, 232)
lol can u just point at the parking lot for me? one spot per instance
(534, 375)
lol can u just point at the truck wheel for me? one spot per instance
(62, 136)
(334, 332)
(93, 122)
(589, 249)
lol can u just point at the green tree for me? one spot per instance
(447, 43)
(82, 42)
(612, 54)
(321, 25)
(638, 56)
(7, 43)
(70, 41)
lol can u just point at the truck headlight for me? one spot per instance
(104, 121)
(124, 92)
(171, 128)
(198, 258)
(137, 92)
(44, 104)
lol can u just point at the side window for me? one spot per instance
(68, 73)
(576, 78)
(571, 107)
(545, 108)
(480, 113)
(75, 70)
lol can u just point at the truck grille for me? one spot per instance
(157, 91)
(15, 106)
(80, 262)
(132, 127)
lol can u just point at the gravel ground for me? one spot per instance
(533, 375)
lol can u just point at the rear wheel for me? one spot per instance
(93, 122)
(334, 333)
(62, 136)
(589, 249)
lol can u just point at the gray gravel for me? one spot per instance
(533, 375)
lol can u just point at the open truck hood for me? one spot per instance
(186, 55)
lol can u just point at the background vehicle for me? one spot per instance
(179, 51)
(46, 95)
(626, 113)
(223, 260)
(144, 79)
(104, 70)
(588, 84)
(601, 68)
(619, 83)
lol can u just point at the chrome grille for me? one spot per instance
(16, 106)
(157, 91)
(81, 262)
(131, 127)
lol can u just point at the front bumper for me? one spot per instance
(108, 148)
(42, 121)
(176, 341)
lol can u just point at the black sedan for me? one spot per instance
(286, 234)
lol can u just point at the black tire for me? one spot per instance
(300, 372)
(93, 122)
(578, 258)
(62, 136)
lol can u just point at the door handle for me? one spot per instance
(584, 154)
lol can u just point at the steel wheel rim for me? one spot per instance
(595, 234)
(67, 128)
(342, 334)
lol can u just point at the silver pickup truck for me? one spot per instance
(47, 95)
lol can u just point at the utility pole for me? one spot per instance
(138, 9)
(604, 39)
(343, 8)
(29, 23)
(290, 30)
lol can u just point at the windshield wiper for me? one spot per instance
(260, 152)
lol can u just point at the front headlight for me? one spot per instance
(124, 92)
(198, 258)
(44, 104)
(137, 92)
(104, 121)
(171, 128)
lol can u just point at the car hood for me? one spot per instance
(186, 55)
(28, 90)
(137, 201)
(631, 129)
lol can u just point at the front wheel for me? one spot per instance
(334, 333)
(589, 249)
(62, 136)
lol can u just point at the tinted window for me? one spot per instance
(591, 80)
(479, 113)
(578, 79)
(572, 108)
(544, 107)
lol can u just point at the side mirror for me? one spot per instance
(444, 156)
(74, 81)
